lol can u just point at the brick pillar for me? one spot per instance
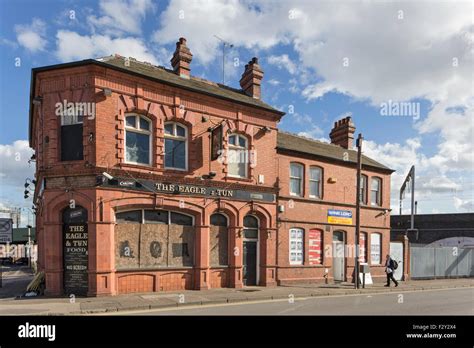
(236, 257)
(268, 257)
(202, 273)
(53, 259)
(101, 259)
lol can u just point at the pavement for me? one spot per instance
(444, 302)
(14, 284)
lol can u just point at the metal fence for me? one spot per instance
(444, 262)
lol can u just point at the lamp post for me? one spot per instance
(358, 197)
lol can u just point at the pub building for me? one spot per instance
(150, 179)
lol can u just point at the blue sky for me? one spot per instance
(322, 61)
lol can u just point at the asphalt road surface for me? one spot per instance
(428, 302)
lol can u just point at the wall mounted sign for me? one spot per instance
(186, 189)
(6, 230)
(76, 243)
(339, 217)
(315, 247)
(216, 142)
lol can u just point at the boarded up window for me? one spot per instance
(127, 245)
(218, 241)
(71, 142)
(155, 243)
(181, 242)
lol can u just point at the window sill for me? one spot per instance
(238, 178)
(136, 165)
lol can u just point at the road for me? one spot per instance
(427, 302)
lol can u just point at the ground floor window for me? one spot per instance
(218, 240)
(154, 238)
(363, 247)
(296, 246)
(375, 248)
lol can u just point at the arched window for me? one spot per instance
(137, 140)
(296, 246)
(363, 189)
(315, 182)
(296, 179)
(218, 239)
(250, 227)
(176, 145)
(237, 159)
(376, 191)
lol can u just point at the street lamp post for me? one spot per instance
(357, 232)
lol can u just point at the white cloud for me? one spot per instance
(464, 205)
(274, 82)
(73, 46)
(283, 62)
(121, 16)
(32, 37)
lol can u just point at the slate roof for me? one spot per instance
(194, 83)
(291, 142)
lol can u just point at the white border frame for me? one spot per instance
(139, 131)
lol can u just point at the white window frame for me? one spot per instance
(364, 189)
(378, 201)
(296, 240)
(232, 147)
(176, 137)
(372, 244)
(320, 182)
(139, 131)
(294, 177)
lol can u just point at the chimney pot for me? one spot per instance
(343, 133)
(252, 78)
(182, 58)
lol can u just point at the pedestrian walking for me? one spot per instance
(389, 269)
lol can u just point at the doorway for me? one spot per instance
(396, 253)
(250, 251)
(338, 257)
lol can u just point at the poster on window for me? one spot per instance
(362, 247)
(375, 248)
(315, 247)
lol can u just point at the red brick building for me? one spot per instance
(150, 179)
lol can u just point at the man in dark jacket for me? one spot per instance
(389, 269)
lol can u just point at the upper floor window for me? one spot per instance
(176, 138)
(315, 182)
(363, 189)
(296, 179)
(375, 191)
(237, 159)
(137, 140)
(72, 137)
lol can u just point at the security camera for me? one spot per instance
(107, 175)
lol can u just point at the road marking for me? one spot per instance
(267, 301)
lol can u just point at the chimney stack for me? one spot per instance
(252, 78)
(182, 58)
(343, 133)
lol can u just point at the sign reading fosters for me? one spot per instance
(340, 217)
(76, 242)
(315, 247)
